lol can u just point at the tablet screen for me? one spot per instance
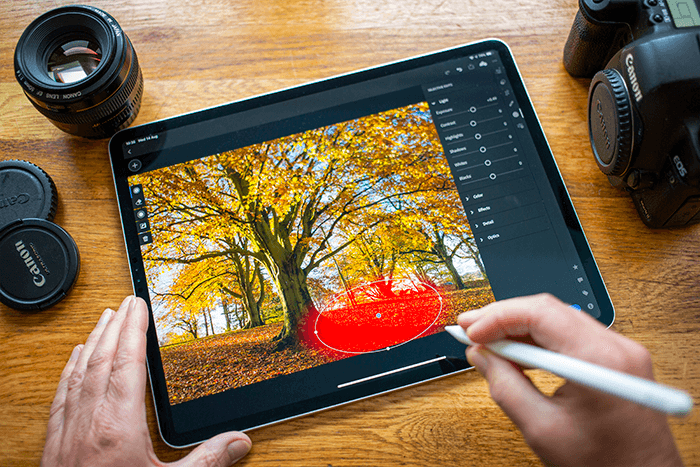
(306, 248)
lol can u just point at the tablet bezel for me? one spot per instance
(181, 438)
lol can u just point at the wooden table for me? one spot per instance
(204, 53)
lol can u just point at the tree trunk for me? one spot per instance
(348, 291)
(297, 304)
(206, 324)
(211, 322)
(227, 316)
(248, 272)
(240, 317)
(189, 328)
(252, 309)
(459, 283)
(474, 253)
(440, 250)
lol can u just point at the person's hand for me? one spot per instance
(577, 425)
(98, 417)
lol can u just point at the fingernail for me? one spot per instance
(238, 449)
(471, 329)
(127, 303)
(76, 352)
(470, 316)
(476, 357)
(468, 313)
(104, 318)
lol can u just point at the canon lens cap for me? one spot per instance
(26, 192)
(40, 263)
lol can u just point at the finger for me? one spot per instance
(220, 451)
(468, 318)
(550, 322)
(128, 378)
(511, 389)
(75, 380)
(99, 365)
(55, 425)
(554, 325)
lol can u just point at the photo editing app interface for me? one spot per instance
(344, 240)
(351, 238)
(517, 225)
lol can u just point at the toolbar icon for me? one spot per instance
(135, 165)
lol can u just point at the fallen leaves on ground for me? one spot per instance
(217, 363)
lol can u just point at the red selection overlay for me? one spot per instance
(377, 316)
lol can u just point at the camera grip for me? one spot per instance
(588, 47)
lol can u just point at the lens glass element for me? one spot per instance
(73, 61)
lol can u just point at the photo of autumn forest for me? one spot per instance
(303, 250)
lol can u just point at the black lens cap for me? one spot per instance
(40, 263)
(26, 191)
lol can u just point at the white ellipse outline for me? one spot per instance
(390, 347)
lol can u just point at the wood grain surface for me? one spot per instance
(201, 53)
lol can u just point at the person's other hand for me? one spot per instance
(98, 417)
(577, 425)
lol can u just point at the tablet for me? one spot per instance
(304, 249)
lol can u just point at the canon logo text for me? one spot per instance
(12, 200)
(38, 278)
(632, 75)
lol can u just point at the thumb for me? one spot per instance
(510, 388)
(222, 450)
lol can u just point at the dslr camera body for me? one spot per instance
(644, 100)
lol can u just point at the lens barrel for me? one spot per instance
(79, 69)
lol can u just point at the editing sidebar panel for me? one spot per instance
(479, 130)
(517, 225)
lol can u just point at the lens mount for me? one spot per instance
(79, 69)
(610, 122)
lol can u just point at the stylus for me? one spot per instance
(632, 388)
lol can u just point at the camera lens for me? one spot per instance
(74, 61)
(79, 69)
